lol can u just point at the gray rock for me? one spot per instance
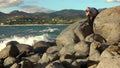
(107, 24)
(94, 54)
(73, 34)
(9, 61)
(13, 43)
(46, 58)
(110, 52)
(33, 58)
(67, 63)
(25, 49)
(90, 38)
(81, 63)
(26, 64)
(9, 50)
(67, 50)
(15, 65)
(67, 56)
(109, 63)
(81, 49)
(55, 64)
(53, 50)
(40, 47)
(39, 65)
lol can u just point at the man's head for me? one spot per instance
(92, 12)
(87, 11)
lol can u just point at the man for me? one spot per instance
(91, 13)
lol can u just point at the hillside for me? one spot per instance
(66, 16)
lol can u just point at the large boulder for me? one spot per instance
(107, 24)
(9, 50)
(40, 47)
(25, 49)
(110, 51)
(109, 63)
(74, 33)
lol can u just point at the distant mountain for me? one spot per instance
(2, 15)
(19, 13)
(69, 14)
(63, 16)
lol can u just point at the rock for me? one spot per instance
(93, 66)
(67, 56)
(81, 49)
(33, 58)
(81, 63)
(26, 64)
(9, 50)
(94, 54)
(109, 63)
(73, 34)
(67, 50)
(1, 63)
(78, 63)
(39, 65)
(25, 49)
(107, 24)
(15, 65)
(9, 61)
(83, 30)
(41, 47)
(55, 64)
(46, 58)
(53, 50)
(67, 63)
(112, 50)
(12, 43)
(89, 38)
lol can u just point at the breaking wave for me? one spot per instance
(30, 40)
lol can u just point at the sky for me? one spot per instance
(32, 6)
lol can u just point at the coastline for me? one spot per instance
(33, 24)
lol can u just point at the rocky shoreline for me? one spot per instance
(78, 46)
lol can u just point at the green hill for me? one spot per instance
(66, 16)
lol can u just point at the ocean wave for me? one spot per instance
(49, 29)
(30, 40)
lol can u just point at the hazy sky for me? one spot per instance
(46, 5)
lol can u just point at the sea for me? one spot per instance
(29, 34)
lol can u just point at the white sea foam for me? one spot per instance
(30, 40)
(48, 29)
